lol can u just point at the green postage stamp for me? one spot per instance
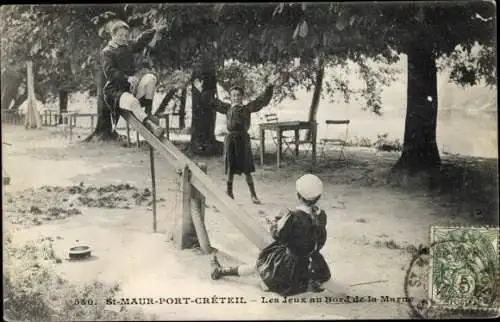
(464, 268)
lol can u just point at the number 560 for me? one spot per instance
(84, 302)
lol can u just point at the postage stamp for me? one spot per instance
(464, 268)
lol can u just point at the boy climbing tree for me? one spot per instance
(127, 86)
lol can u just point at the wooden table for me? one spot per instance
(91, 115)
(279, 128)
(69, 119)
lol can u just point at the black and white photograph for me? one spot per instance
(250, 161)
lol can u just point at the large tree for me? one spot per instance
(456, 35)
(429, 34)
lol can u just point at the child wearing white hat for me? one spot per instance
(292, 263)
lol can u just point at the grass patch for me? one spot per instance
(468, 186)
(382, 143)
(33, 292)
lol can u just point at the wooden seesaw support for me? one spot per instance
(197, 184)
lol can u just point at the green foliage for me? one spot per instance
(273, 41)
(63, 44)
(462, 34)
(455, 32)
(60, 40)
(471, 66)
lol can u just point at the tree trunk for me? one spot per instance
(164, 103)
(420, 148)
(10, 86)
(104, 129)
(313, 109)
(203, 118)
(63, 103)
(182, 109)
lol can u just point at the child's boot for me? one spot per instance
(316, 287)
(154, 119)
(230, 189)
(218, 272)
(255, 199)
(148, 107)
(251, 186)
(155, 129)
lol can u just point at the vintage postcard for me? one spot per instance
(269, 161)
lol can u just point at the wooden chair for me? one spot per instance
(287, 140)
(339, 142)
(307, 143)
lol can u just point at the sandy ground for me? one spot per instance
(365, 217)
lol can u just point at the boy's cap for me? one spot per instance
(237, 88)
(309, 186)
(118, 24)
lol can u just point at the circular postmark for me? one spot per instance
(452, 277)
(416, 283)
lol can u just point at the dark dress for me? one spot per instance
(288, 264)
(238, 157)
(118, 63)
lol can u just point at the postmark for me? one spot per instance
(416, 284)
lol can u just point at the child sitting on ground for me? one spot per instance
(292, 263)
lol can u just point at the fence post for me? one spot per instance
(92, 122)
(71, 119)
(198, 216)
(183, 222)
(128, 135)
(167, 126)
(65, 123)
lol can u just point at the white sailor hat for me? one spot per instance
(309, 186)
(115, 24)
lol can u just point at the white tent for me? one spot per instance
(23, 108)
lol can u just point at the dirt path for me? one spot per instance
(371, 230)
